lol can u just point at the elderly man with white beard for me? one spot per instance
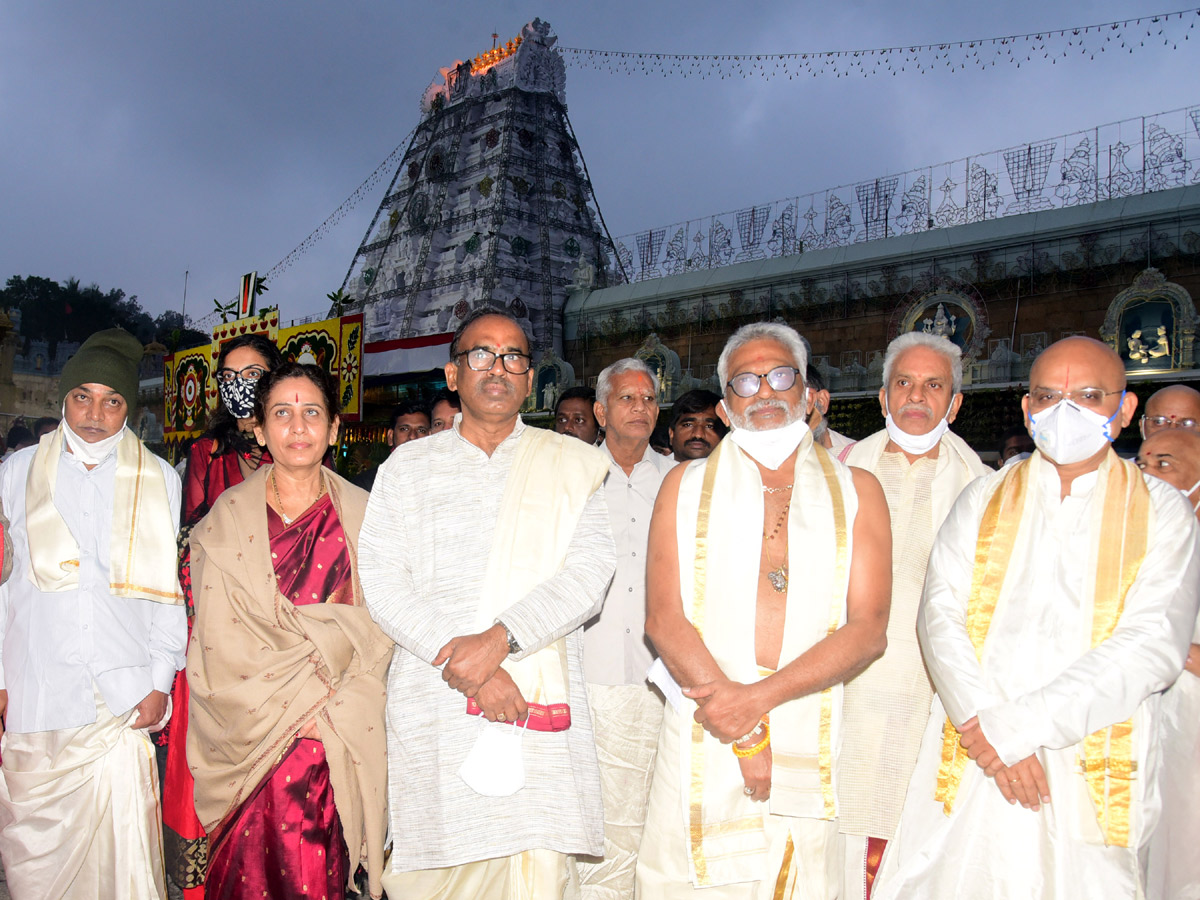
(922, 467)
(744, 798)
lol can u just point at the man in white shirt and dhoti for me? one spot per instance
(484, 550)
(93, 627)
(1173, 865)
(626, 711)
(922, 467)
(1060, 599)
(767, 587)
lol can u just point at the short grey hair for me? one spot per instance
(784, 335)
(620, 367)
(934, 342)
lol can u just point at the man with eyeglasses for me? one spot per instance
(626, 712)
(484, 550)
(767, 587)
(923, 467)
(1175, 406)
(1060, 600)
(1173, 866)
(410, 422)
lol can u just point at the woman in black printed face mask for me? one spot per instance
(226, 455)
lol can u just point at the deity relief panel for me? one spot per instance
(1152, 324)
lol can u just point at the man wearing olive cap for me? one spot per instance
(92, 629)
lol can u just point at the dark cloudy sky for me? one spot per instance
(142, 139)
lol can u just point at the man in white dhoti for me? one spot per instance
(484, 550)
(1060, 598)
(92, 629)
(767, 587)
(626, 711)
(1173, 869)
(922, 467)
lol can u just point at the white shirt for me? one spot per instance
(55, 645)
(615, 650)
(423, 554)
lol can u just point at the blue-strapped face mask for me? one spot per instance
(1069, 433)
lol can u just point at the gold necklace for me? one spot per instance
(287, 520)
(777, 576)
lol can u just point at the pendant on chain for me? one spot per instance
(779, 579)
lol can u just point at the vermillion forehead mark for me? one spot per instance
(1067, 384)
(297, 397)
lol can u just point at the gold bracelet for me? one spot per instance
(757, 748)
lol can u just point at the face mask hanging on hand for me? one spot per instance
(495, 766)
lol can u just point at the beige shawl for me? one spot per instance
(549, 484)
(142, 552)
(259, 668)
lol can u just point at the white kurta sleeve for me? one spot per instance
(1145, 653)
(942, 617)
(564, 602)
(385, 569)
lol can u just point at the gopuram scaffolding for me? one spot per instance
(491, 204)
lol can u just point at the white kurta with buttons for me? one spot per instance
(57, 644)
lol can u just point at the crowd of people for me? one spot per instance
(729, 654)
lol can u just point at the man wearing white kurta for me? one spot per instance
(1060, 600)
(767, 587)
(484, 550)
(626, 711)
(1173, 866)
(922, 467)
(93, 627)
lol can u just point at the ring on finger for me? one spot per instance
(501, 717)
(749, 791)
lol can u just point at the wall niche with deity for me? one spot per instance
(951, 309)
(1152, 325)
(663, 362)
(552, 376)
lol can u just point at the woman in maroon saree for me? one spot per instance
(286, 733)
(226, 455)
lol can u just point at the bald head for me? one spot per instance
(1092, 376)
(1174, 456)
(1081, 361)
(1176, 406)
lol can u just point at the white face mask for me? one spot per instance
(916, 444)
(772, 446)
(91, 454)
(1067, 433)
(1188, 495)
(494, 766)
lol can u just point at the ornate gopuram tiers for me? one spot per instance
(491, 204)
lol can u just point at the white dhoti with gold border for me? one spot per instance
(802, 853)
(79, 812)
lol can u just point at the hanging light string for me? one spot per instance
(1126, 35)
(385, 168)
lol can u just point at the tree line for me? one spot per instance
(71, 312)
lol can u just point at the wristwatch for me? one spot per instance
(513, 646)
